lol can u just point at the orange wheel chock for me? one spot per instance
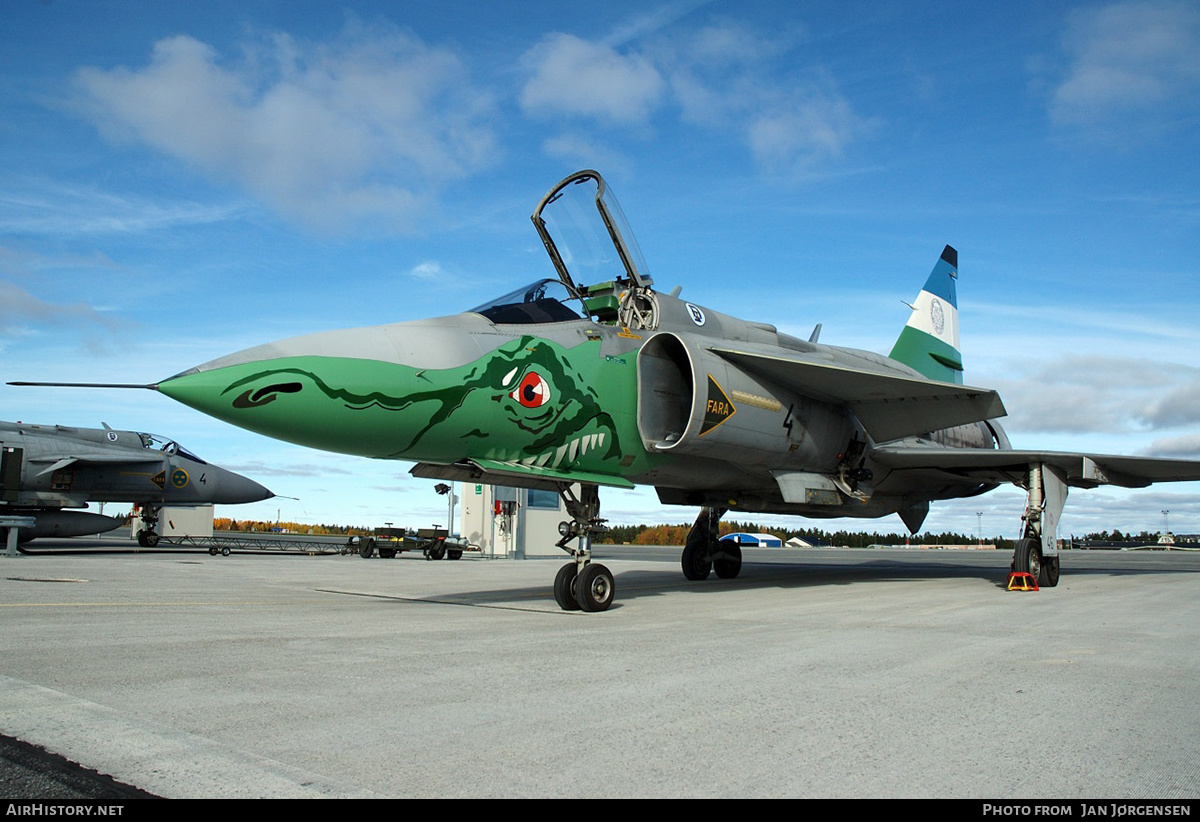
(1022, 581)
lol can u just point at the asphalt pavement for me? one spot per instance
(815, 673)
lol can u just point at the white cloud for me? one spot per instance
(579, 150)
(724, 79)
(1127, 57)
(720, 74)
(1183, 447)
(805, 130)
(430, 270)
(25, 264)
(1103, 394)
(19, 308)
(363, 127)
(37, 206)
(568, 75)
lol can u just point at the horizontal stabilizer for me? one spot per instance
(1080, 470)
(888, 405)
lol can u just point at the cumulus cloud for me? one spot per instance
(728, 79)
(1175, 407)
(1127, 57)
(363, 127)
(1103, 394)
(568, 75)
(802, 132)
(1184, 447)
(584, 149)
(724, 79)
(429, 270)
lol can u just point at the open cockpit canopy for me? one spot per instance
(586, 235)
(592, 249)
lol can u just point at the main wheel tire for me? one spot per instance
(453, 553)
(366, 548)
(564, 588)
(437, 553)
(1027, 558)
(728, 563)
(147, 539)
(695, 561)
(595, 588)
(1049, 576)
(387, 553)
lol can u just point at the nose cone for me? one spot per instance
(234, 489)
(373, 392)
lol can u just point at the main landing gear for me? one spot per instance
(1036, 553)
(582, 585)
(705, 552)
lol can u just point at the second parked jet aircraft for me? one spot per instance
(48, 472)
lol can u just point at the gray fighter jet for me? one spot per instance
(595, 378)
(47, 470)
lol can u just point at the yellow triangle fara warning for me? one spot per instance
(718, 408)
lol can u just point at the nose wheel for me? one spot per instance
(590, 590)
(147, 537)
(582, 585)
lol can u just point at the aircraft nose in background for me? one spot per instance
(234, 489)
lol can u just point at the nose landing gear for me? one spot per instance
(582, 585)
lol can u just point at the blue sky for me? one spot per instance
(179, 181)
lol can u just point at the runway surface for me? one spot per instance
(816, 673)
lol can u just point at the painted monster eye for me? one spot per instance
(533, 391)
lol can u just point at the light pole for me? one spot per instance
(1166, 529)
(979, 530)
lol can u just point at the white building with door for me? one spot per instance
(517, 523)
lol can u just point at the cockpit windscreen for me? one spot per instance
(541, 302)
(156, 443)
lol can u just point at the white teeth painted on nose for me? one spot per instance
(567, 453)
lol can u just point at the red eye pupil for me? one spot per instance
(532, 392)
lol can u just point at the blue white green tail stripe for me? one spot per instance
(929, 342)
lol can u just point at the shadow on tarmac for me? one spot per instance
(28, 772)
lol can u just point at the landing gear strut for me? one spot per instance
(705, 552)
(1036, 553)
(147, 537)
(582, 585)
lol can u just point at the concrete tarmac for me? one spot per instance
(816, 673)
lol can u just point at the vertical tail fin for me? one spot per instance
(929, 342)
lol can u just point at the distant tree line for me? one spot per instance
(248, 525)
(677, 535)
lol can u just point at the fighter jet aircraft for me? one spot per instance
(46, 470)
(596, 379)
